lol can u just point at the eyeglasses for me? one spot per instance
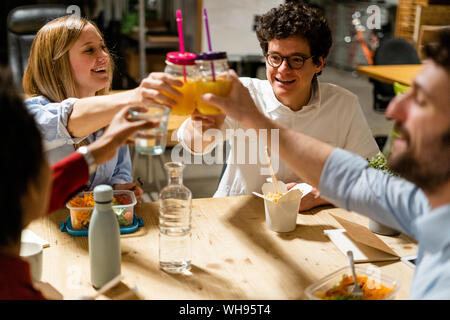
(294, 62)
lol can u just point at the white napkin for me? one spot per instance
(30, 236)
(361, 252)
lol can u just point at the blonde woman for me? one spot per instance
(68, 77)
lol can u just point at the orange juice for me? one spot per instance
(182, 66)
(220, 87)
(186, 104)
(212, 66)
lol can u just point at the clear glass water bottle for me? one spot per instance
(175, 247)
(104, 238)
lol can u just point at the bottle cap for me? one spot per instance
(103, 193)
(217, 55)
(184, 59)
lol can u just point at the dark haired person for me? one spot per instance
(295, 39)
(31, 188)
(419, 204)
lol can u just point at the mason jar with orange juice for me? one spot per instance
(212, 68)
(183, 67)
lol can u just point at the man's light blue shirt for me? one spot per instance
(348, 182)
(52, 121)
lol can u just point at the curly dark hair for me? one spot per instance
(21, 160)
(295, 19)
(439, 50)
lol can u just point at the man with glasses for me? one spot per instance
(295, 40)
(418, 203)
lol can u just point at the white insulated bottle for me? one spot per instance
(104, 238)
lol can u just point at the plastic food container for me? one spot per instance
(123, 205)
(374, 280)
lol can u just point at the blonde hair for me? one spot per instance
(49, 71)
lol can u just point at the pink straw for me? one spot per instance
(205, 15)
(180, 38)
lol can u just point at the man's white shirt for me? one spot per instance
(333, 115)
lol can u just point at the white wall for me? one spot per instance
(231, 25)
(189, 11)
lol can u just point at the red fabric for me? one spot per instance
(15, 280)
(69, 175)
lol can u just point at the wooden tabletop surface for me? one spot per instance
(403, 74)
(235, 256)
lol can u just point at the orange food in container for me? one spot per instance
(82, 204)
(338, 285)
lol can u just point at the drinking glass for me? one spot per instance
(152, 141)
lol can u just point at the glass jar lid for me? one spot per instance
(217, 55)
(184, 59)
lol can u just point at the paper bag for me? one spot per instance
(366, 246)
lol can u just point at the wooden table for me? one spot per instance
(235, 256)
(403, 74)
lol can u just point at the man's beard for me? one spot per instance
(429, 171)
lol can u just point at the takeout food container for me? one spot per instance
(281, 212)
(123, 205)
(375, 285)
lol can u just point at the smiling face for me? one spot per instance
(292, 87)
(90, 62)
(421, 153)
